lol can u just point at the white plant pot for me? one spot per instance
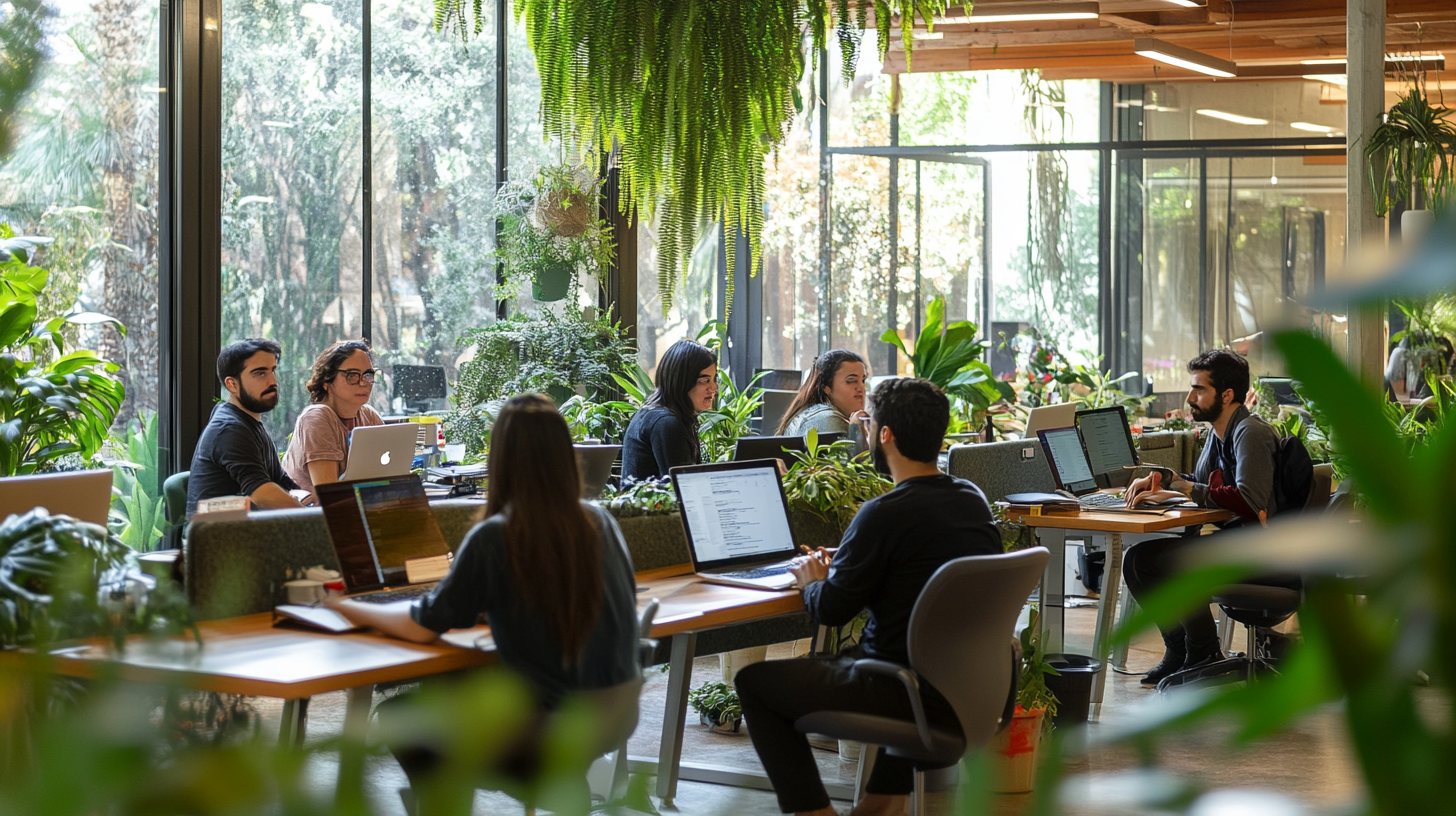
(849, 750)
(1414, 224)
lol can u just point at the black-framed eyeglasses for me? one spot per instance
(353, 377)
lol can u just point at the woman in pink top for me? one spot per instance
(340, 387)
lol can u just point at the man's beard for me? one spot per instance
(260, 404)
(1210, 415)
(877, 455)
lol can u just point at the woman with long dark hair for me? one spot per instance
(550, 573)
(339, 389)
(664, 432)
(832, 397)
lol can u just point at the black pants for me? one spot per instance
(1150, 563)
(776, 693)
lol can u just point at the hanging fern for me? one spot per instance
(692, 95)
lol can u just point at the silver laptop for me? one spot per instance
(85, 495)
(381, 451)
(737, 523)
(1061, 415)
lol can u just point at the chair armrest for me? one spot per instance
(911, 682)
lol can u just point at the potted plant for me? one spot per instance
(1016, 745)
(829, 484)
(1411, 159)
(551, 232)
(718, 707)
(949, 355)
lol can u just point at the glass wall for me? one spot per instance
(695, 300)
(84, 172)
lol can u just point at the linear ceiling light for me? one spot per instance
(1306, 126)
(1177, 55)
(1329, 79)
(1186, 3)
(1025, 13)
(1231, 117)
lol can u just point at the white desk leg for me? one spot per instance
(1106, 607)
(350, 792)
(1053, 589)
(295, 722)
(674, 716)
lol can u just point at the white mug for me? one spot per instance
(305, 591)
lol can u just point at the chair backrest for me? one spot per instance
(961, 628)
(174, 491)
(1002, 468)
(775, 404)
(1320, 487)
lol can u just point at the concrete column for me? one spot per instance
(1365, 70)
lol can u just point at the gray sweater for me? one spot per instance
(1248, 455)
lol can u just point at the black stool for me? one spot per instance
(1256, 606)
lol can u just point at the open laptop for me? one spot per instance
(1107, 439)
(381, 451)
(776, 447)
(737, 523)
(1061, 415)
(386, 538)
(1073, 473)
(85, 495)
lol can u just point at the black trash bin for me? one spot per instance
(1072, 687)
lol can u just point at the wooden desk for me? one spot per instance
(1052, 531)
(247, 655)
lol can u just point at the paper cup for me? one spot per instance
(321, 575)
(305, 591)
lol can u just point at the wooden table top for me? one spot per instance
(248, 655)
(1104, 522)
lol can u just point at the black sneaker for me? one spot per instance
(1171, 663)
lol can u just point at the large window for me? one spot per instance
(84, 171)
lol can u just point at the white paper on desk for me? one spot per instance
(424, 570)
(326, 619)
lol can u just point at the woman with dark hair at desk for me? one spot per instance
(832, 397)
(339, 389)
(550, 573)
(664, 432)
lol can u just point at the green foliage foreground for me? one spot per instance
(1366, 650)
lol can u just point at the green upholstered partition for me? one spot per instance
(1002, 468)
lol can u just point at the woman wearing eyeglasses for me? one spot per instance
(339, 388)
(664, 432)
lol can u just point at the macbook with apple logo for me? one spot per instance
(381, 451)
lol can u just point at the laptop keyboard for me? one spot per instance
(1100, 500)
(757, 572)
(395, 595)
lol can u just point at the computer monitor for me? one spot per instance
(1107, 440)
(733, 513)
(778, 379)
(419, 385)
(377, 527)
(775, 404)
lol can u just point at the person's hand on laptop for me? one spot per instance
(810, 568)
(1139, 488)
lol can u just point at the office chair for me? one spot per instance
(958, 642)
(174, 491)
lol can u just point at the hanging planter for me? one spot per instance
(552, 282)
(1411, 155)
(691, 97)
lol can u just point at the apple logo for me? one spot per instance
(384, 460)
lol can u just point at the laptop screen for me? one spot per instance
(1069, 461)
(733, 513)
(377, 527)
(1107, 440)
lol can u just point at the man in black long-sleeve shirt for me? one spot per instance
(893, 546)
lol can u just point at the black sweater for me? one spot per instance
(657, 441)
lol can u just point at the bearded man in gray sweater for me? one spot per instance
(1236, 472)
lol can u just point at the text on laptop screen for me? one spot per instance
(734, 513)
(1104, 433)
(1069, 460)
(400, 523)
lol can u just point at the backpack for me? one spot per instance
(1293, 475)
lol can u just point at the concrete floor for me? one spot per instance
(1310, 762)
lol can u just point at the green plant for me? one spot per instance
(949, 355)
(138, 509)
(692, 95)
(604, 421)
(828, 482)
(649, 497)
(61, 578)
(51, 403)
(716, 701)
(1031, 689)
(550, 220)
(1411, 154)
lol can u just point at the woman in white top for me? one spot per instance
(340, 387)
(832, 398)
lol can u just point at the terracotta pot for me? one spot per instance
(1015, 759)
(731, 727)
